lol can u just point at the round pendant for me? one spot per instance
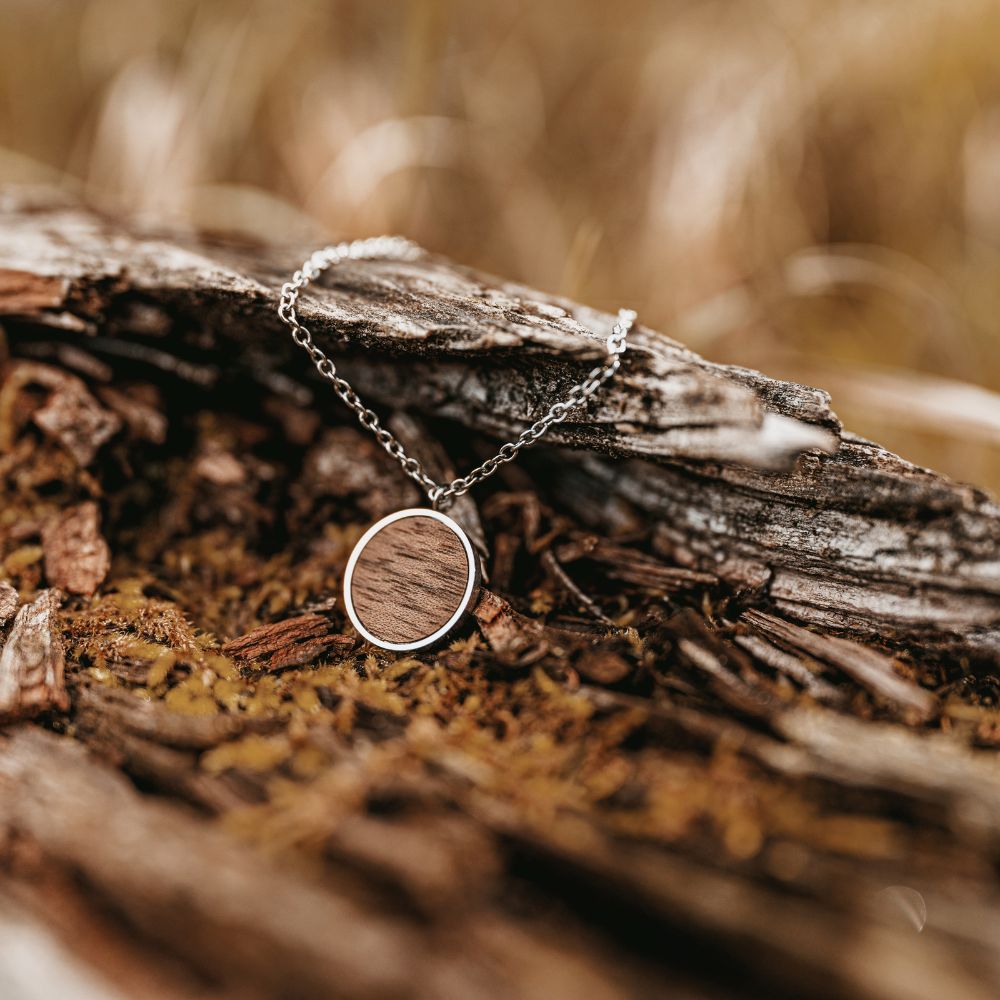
(410, 579)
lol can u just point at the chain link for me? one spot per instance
(440, 495)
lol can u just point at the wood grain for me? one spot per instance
(409, 579)
(32, 662)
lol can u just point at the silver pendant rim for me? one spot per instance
(471, 583)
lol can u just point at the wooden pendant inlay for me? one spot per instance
(410, 579)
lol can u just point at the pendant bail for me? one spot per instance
(440, 501)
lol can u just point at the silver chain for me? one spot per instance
(440, 494)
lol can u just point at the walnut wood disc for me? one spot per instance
(410, 579)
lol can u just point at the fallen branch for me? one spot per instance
(727, 694)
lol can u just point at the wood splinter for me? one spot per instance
(290, 643)
(32, 662)
(77, 558)
(8, 602)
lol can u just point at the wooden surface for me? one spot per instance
(32, 662)
(843, 533)
(724, 724)
(410, 579)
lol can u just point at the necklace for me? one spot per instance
(414, 574)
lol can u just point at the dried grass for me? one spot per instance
(806, 187)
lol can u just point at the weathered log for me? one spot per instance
(851, 537)
(232, 915)
(510, 348)
(706, 734)
(859, 541)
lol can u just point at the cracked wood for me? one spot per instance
(751, 478)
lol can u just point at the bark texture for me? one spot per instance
(723, 722)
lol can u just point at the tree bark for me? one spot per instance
(754, 479)
(723, 725)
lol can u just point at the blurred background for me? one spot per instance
(805, 187)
